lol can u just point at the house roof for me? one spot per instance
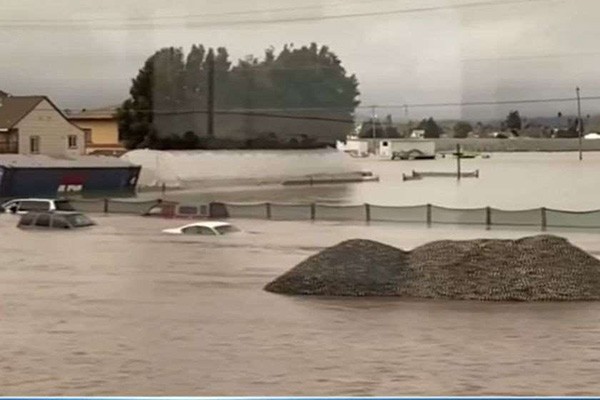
(108, 112)
(15, 108)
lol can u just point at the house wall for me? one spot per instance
(104, 131)
(53, 130)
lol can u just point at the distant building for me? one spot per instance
(387, 147)
(34, 125)
(417, 134)
(101, 130)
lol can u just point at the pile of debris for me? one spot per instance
(535, 268)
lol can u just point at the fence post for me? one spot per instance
(544, 220)
(368, 212)
(313, 211)
(268, 206)
(105, 205)
(428, 215)
(458, 157)
(488, 218)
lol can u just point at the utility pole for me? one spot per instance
(579, 123)
(373, 121)
(210, 120)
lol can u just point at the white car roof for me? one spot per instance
(29, 199)
(207, 224)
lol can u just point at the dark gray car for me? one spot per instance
(54, 220)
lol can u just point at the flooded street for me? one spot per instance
(124, 309)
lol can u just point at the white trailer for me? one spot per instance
(406, 149)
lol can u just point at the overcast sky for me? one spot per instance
(83, 53)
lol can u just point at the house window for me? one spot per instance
(88, 135)
(34, 144)
(72, 141)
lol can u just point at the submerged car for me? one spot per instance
(210, 228)
(54, 220)
(23, 206)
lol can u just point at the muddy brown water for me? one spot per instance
(121, 309)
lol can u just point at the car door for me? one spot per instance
(27, 220)
(42, 221)
(33, 205)
(60, 222)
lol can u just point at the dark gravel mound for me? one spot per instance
(530, 269)
(351, 268)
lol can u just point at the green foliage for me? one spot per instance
(431, 128)
(513, 121)
(462, 129)
(168, 97)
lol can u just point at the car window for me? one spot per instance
(79, 220)
(156, 210)
(225, 229)
(27, 219)
(187, 210)
(11, 206)
(58, 221)
(198, 230)
(43, 220)
(32, 205)
(63, 205)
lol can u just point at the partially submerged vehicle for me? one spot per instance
(209, 228)
(23, 206)
(173, 209)
(54, 220)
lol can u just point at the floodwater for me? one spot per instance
(121, 309)
(509, 181)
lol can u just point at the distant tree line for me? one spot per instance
(293, 99)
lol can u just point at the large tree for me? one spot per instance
(513, 121)
(431, 128)
(297, 92)
(462, 129)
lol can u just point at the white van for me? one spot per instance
(23, 206)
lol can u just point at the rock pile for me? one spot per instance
(535, 268)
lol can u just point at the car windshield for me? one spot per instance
(79, 220)
(225, 229)
(64, 205)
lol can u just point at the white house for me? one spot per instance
(34, 125)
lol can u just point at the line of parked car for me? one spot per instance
(47, 214)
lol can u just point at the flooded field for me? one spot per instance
(121, 309)
(507, 180)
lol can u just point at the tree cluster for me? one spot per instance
(431, 128)
(299, 91)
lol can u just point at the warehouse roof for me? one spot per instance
(42, 161)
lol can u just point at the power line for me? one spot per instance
(479, 4)
(492, 103)
(532, 57)
(250, 114)
(191, 16)
(349, 109)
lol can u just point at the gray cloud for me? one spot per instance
(501, 52)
